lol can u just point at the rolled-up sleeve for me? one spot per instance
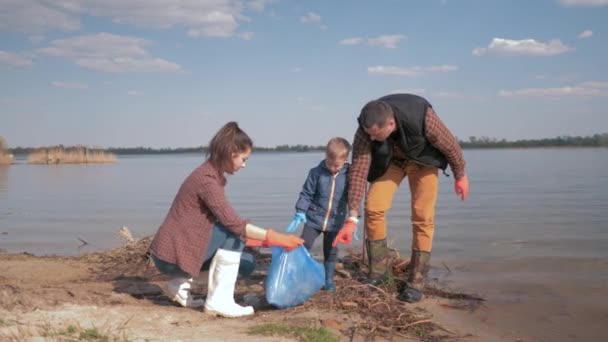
(357, 175)
(440, 136)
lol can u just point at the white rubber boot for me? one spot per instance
(178, 290)
(222, 279)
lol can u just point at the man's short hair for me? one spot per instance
(375, 112)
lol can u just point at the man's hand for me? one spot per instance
(286, 241)
(345, 235)
(461, 187)
(298, 218)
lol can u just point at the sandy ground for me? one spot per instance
(42, 296)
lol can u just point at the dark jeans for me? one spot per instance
(220, 238)
(309, 235)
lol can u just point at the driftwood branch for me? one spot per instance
(84, 243)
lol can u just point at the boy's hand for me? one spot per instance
(298, 218)
(345, 235)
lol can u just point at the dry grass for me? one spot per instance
(70, 155)
(47, 331)
(6, 158)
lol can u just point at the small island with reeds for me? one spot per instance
(57, 154)
(70, 155)
(6, 158)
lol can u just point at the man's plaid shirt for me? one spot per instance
(436, 133)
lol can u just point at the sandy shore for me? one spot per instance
(40, 297)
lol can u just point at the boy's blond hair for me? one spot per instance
(337, 148)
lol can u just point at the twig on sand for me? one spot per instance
(84, 243)
(413, 323)
(372, 286)
(388, 307)
(446, 266)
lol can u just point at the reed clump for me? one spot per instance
(6, 157)
(70, 155)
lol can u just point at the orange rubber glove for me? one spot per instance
(462, 187)
(256, 243)
(345, 235)
(286, 241)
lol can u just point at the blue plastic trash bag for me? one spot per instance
(293, 277)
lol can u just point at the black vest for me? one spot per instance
(410, 114)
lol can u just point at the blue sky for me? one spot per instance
(169, 73)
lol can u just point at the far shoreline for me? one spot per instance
(18, 154)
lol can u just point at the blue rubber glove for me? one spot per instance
(298, 218)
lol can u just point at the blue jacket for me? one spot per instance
(324, 198)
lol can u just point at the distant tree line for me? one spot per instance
(169, 150)
(596, 140)
(203, 149)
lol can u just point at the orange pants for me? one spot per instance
(423, 182)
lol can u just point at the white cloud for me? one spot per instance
(201, 18)
(393, 70)
(109, 52)
(248, 35)
(33, 16)
(70, 85)
(525, 47)
(410, 71)
(387, 41)
(14, 59)
(585, 34)
(312, 18)
(449, 95)
(441, 68)
(296, 69)
(594, 84)
(351, 41)
(584, 3)
(591, 88)
(135, 92)
(259, 5)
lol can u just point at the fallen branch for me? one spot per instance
(413, 323)
(446, 266)
(372, 286)
(84, 243)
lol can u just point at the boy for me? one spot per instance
(322, 204)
